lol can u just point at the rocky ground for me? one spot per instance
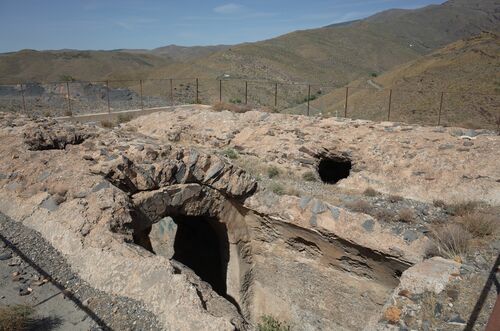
(320, 223)
(35, 274)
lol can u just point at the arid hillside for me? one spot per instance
(467, 71)
(334, 54)
(341, 53)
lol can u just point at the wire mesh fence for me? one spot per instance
(371, 103)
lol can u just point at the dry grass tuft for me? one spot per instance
(462, 208)
(479, 224)
(16, 317)
(439, 203)
(124, 118)
(395, 198)
(309, 176)
(107, 124)
(235, 108)
(406, 215)
(273, 171)
(360, 206)
(277, 188)
(451, 241)
(392, 314)
(370, 192)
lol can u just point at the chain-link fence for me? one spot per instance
(371, 103)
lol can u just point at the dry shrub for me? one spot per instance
(123, 118)
(450, 241)
(309, 176)
(370, 192)
(361, 206)
(235, 108)
(439, 203)
(395, 198)
(406, 215)
(277, 188)
(273, 171)
(270, 323)
(107, 124)
(479, 224)
(385, 215)
(392, 314)
(462, 208)
(16, 317)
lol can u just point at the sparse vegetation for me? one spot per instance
(451, 241)
(107, 124)
(309, 176)
(462, 208)
(231, 153)
(273, 172)
(269, 323)
(66, 78)
(374, 74)
(124, 118)
(439, 203)
(235, 108)
(370, 192)
(360, 206)
(395, 198)
(15, 318)
(406, 215)
(68, 113)
(277, 188)
(479, 224)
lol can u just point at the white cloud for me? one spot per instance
(230, 8)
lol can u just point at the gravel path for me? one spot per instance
(33, 272)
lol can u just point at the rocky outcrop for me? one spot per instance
(177, 225)
(53, 135)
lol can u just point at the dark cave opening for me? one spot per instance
(333, 169)
(202, 244)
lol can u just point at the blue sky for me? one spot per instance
(112, 24)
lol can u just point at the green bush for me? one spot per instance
(309, 176)
(66, 78)
(277, 188)
(273, 171)
(231, 153)
(269, 323)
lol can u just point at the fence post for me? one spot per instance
(440, 108)
(389, 109)
(220, 90)
(197, 93)
(171, 92)
(142, 103)
(275, 95)
(246, 92)
(24, 101)
(346, 98)
(308, 98)
(107, 93)
(69, 101)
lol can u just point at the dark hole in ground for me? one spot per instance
(331, 170)
(202, 245)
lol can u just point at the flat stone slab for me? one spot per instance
(430, 275)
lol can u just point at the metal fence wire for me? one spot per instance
(68, 98)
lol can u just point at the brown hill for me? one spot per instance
(467, 71)
(336, 54)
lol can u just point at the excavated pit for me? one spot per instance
(202, 245)
(333, 169)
